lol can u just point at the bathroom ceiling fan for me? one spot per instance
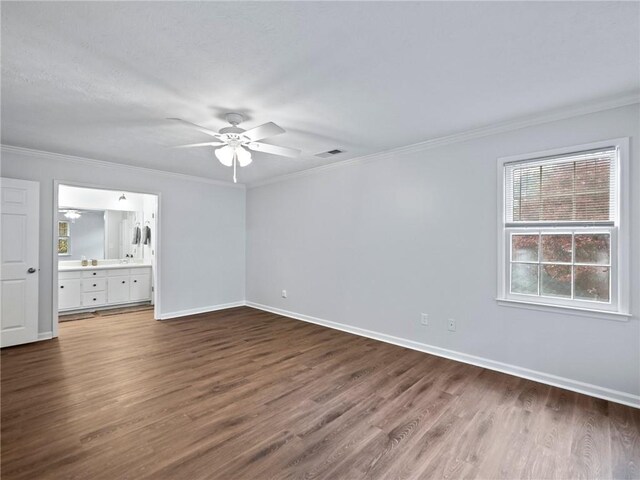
(234, 142)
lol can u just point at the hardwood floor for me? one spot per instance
(244, 394)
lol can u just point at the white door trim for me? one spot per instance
(54, 228)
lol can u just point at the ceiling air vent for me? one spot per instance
(330, 153)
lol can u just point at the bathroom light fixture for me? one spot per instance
(122, 198)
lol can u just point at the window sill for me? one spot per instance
(582, 312)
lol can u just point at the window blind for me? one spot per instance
(577, 188)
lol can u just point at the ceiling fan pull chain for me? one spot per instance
(235, 160)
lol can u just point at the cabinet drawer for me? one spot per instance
(146, 270)
(69, 295)
(93, 285)
(118, 272)
(93, 298)
(68, 275)
(93, 273)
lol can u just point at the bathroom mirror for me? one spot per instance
(97, 234)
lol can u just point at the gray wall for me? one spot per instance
(372, 245)
(202, 229)
(86, 236)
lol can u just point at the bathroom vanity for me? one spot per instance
(110, 284)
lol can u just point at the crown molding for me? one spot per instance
(102, 163)
(516, 124)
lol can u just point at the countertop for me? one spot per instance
(68, 268)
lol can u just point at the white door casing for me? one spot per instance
(19, 237)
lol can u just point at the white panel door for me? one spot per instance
(19, 209)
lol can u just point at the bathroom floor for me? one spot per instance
(103, 313)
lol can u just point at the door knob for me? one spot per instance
(31, 270)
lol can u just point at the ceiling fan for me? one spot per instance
(234, 142)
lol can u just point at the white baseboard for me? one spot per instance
(44, 336)
(196, 311)
(546, 378)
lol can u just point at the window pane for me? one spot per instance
(591, 283)
(526, 190)
(524, 278)
(557, 208)
(592, 207)
(555, 280)
(592, 248)
(573, 187)
(593, 176)
(524, 248)
(556, 248)
(557, 191)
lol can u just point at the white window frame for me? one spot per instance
(618, 306)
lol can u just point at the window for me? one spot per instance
(563, 238)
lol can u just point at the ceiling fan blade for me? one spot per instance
(274, 149)
(205, 144)
(197, 127)
(263, 131)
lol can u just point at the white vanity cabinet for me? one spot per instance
(118, 286)
(69, 292)
(139, 286)
(87, 287)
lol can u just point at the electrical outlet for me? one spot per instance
(451, 325)
(424, 319)
(284, 294)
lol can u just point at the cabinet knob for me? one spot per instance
(94, 273)
(94, 284)
(94, 299)
(135, 281)
(61, 286)
(123, 281)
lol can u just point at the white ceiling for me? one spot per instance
(97, 79)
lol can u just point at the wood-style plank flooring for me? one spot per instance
(244, 394)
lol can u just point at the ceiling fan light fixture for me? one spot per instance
(225, 155)
(72, 214)
(244, 156)
(235, 144)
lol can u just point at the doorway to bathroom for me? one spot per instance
(106, 249)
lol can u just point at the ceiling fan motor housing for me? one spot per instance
(232, 130)
(234, 118)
